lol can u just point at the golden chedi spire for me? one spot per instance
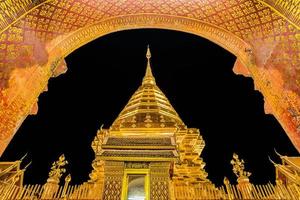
(148, 107)
(148, 78)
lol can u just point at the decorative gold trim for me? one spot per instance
(135, 158)
(276, 8)
(216, 34)
(23, 15)
(136, 147)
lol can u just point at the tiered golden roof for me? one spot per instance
(148, 107)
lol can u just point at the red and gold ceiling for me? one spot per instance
(36, 35)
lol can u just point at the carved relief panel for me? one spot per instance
(113, 180)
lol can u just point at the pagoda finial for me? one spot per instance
(148, 79)
(148, 54)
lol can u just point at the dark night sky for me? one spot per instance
(194, 73)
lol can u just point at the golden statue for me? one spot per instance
(238, 167)
(57, 169)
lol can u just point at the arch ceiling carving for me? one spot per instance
(35, 37)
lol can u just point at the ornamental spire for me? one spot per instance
(148, 78)
(148, 107)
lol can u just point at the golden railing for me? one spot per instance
(266, 191)
(10, 191)
(182, 192)
(89, 191)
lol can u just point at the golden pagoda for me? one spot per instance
(148, 153)
(146, 146)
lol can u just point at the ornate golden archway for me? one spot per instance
(265, 37)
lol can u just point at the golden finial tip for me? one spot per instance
(148, 78)
(148, 54)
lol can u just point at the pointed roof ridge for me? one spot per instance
(148, 78)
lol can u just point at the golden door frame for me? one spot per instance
(20, 106)
(127, 172)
